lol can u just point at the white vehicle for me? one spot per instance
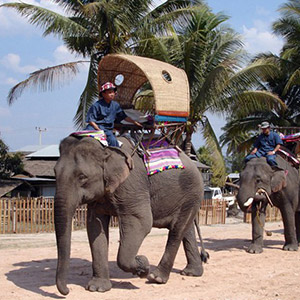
(216, 194)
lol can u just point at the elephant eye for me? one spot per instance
(258, 180)
(82, 178)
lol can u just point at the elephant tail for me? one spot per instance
(203, 253)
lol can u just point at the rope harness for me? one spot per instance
(263, 191)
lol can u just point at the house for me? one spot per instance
(38, 178)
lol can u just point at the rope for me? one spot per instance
(263, 191)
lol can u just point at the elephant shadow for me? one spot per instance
(236, 243)
(37, 275)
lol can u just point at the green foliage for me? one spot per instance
(10, 164)
(94, 29)
(206, 157)
(241, 128)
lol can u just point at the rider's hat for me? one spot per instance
(107, 86)
(264, 125)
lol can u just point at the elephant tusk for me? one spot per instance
(248, 202)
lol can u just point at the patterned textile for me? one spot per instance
(98, 135)
(161, 160)
(289, 157)
(291, 137)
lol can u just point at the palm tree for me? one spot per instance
(94, 29)
(211, 55)
(286, 85)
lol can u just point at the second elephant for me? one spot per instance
(259, 181)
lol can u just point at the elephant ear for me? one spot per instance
(117, 166)
(278, 181)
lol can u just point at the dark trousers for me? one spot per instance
(271, 159)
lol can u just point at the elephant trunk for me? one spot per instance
(245, 198)
(63, 215)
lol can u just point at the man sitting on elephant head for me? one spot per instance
(103, 113)
(266, 145)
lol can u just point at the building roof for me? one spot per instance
(31, 148)
(39, 167)
(8, 185)
(48, 151)
(200, 165)
(233, 175)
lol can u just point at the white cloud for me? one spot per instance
(11, 23)
(12, 62)
(63, 55)
(257, 39)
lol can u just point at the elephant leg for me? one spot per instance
(194, 265)
(97, 229)
(133, 230)
(297, 221)
(176, 234)
(258, 218)
(288, 218)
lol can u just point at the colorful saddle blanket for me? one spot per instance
(161, 160)
(295, 137)
(288, 157)
(98, 135)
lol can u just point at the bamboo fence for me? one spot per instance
(36, 215)
(273, 214)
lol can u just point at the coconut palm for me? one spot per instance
(286, 85)
(94, 29)
(211, 55)
(288, 26)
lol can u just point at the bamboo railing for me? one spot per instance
(36, 215)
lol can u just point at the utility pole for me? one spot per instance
(40, 130)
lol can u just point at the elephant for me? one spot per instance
(113, 182)
(260, 185)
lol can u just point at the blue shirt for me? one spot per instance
(104, 114)
(266, 143)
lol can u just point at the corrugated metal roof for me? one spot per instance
(31, 148)
(49, 151)
(233, 175)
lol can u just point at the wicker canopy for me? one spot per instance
(169, 84)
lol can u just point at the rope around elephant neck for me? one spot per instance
(263, 191)
(268, 233)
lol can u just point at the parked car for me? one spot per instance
(215, 193)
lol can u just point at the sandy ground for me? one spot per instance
(28, 262)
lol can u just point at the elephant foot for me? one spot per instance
(255, 249)
(97, 284)
(143, 266)
(290, 247)
(158, 277)
(191, 270)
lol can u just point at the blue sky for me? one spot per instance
(23, 50)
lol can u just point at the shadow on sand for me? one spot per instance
(36, 274)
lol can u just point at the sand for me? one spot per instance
(28, 264)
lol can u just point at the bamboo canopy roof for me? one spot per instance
(169, 84)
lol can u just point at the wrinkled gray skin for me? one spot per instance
(113, 183)
(283, 191)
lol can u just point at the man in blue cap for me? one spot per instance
(266, 145)
(103, 113)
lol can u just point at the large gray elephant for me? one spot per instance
(114, 182)
(258, 182)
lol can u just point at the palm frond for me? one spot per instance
(46, 19)
(89, 94)
(212, 144)
(45, 79)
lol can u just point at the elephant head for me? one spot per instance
(85, 172)
(259, 176)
